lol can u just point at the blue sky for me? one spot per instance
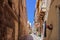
(30, 10)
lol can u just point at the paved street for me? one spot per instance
(35, 37)
(31, 37)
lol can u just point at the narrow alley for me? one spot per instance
(29, 19)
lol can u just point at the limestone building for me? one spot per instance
(52, 18)
(14, 19)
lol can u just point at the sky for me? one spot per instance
(30, 10)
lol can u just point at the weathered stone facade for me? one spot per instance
(53, 18)
(11, 28)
